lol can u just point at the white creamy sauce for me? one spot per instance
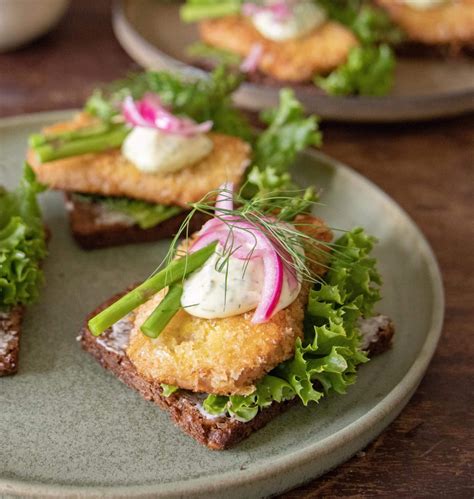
(220, 289)
(108, 216)
(117, 339)
(425, 4)
(306, 16)
(369, 328)
(197, 399)
(153, 151)
(208, 415)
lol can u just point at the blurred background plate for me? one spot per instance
(70, 429)
(21, 21)
(426, 88)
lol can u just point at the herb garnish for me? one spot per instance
(22, 243)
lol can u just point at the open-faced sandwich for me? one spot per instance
(22, 249)
(259, 310)
(139, 153)
(341, 46)
(434, 22)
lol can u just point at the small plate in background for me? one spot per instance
(425, 88)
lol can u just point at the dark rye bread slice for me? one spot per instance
(10, 324)
(91, 229)
(377, 334)
(217, 433)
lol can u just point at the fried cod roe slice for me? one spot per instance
(109, 173)
(296, 60)
(221, 356)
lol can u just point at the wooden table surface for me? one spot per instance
(427, 168)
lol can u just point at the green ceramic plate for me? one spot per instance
(68, 428)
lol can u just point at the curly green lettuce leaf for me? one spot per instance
(168, 390)
(275, 149)
(355, 273)
(370, 24)
(244, 408)
(326, 360)
(145, 215)
(22, 201)
(373, 25)
(268, 186)
(201, 100)
(22, 243)
(369, 70)
(288, 132)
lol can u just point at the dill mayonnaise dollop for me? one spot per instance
(227, 287)
(305, 16)
(153, 151)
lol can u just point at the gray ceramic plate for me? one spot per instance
(151, 32)
(68, 428)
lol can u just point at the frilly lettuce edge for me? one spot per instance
(326, 360)
(22, 243)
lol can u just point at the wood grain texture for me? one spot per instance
(428, 168)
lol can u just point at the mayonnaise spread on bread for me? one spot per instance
(223, 288)
(424, 4)
(305, 17)
(153, 151)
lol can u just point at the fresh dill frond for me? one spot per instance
(269, 215)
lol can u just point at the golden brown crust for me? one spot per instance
(220, 356)
(451, 24)
(295, 60)
(110, 174)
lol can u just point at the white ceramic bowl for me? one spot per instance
(23, 20)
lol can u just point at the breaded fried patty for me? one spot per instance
(221, 356)
(297, 60)
(109, 174)
(451, 23)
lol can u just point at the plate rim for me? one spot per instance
(462, 101)
(390, 405)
